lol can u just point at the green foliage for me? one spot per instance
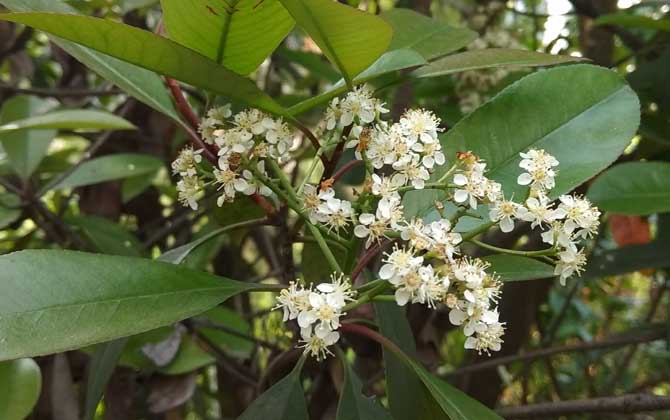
(72, 120)
(131, 44)
(100, 370)
(336, 29)
(21, 382)
(633, 188)
(627, 20)
(516, 268)
(9, 209)
(221, 31)
(98, 298)
(353, 404)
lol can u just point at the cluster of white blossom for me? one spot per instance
(317, 311)
(245, 136)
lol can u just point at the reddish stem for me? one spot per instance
(340, 172)
(182, 104)
(372, 335)
(367, 257)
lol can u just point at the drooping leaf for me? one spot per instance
(582, 114)
(25, 149)
(239, 34)
(627, 20)
(100, 370)
(633, 188)
(167, 57)
(21, 382)
(490, 58)
(144, 85)
(109, 168)
(428, 37)
(71, 299)
(73, 119)
(282, 401)
(353, 404)
(517, 268)
(9, 209)
(350, 38)
(107, 236)
(407, 397)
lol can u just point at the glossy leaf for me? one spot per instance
(353, 404)
(428, 37)
(490, 58)
(73, 120)
(144, 85)
(633, 188)
(25, 149)
(517, 268)
(131, 44)
(9, 209)
(582, 114)
(20, 382)
(70, 299)
(100, 370)
(350, 38)
(239, 34)
(282, 401)
(109, 168)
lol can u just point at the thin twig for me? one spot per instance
(632, 403)
(345, 168)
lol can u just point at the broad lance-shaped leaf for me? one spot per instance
(144, 85)
(284, 400)
(53, 301)
(429, 37)
(133, 45)
(582, 114)
(517, 268)
(490, 58)
(20, 382)
(25, 150)
(633, 188)
(353, 404)
(239, 34)
(350, 38)
(109, 168)
(72, 119)
(100, 370)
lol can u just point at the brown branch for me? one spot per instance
(617, 341)
(367, 257)
(632, 403)
(345, 168)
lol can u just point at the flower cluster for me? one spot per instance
(317, 311)
(241, 140)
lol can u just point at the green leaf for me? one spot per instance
(353, 404)
(71, 299)
(517, 268)
(633, 188)
(408, 399)
(134, 186)
(9, 209)
(100, 370)
(490, 58)
(20, 381)
(630, 258)
(584, 115)
(239, 34)
(312, 62)
(107, 236)
(627, 20)
(73, 120)
(231, 343)
(283, 401)
(350, 38)
(26, 149)
(144, 85)
(109, 168)
(428, 37)
(131, 44)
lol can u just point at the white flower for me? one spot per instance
(475, 186)
(278, 134)
(335, 213)
(432, 155)
(504, 212)
(360, 105)
(185, 164)
(370, 228)
(409, 166)
(579, 215)
(232, 141)
(190, 189)
(317, 346)
(381, 149)
(225, 178)
(444, 240)
(386, 185)
(571, 262)
(249, 185)
(293, 300)
(471, 271)
(333, 114)
(420, 125)
(487, 338)
(250, 121)
(557, 234)
(398, 263)
(538, 211)
(220, 113)
(338, 292)
(432, 288)
(540, 174)
(417, 234)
